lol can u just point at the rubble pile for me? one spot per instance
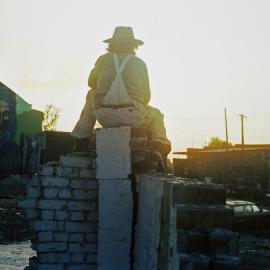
(13, 225)
(61, 205)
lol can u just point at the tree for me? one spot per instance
(217, 143)
(51, 115)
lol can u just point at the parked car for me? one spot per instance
(248, 215)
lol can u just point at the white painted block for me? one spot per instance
(113, 153)
(115, 255)
(115, 224)
(115, 204)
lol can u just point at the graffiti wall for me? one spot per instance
(9, 154)
(16, 118)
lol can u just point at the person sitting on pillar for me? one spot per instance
(119, 94)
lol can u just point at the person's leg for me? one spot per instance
(83, 130)
(157, 136)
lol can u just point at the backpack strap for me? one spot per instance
(125, 61)
(116, 63)
(119, 68)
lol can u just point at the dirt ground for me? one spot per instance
(14, 256)
(255, 250)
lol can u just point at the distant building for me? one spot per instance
(247, 165)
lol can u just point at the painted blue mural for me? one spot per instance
(8, 118)
(9, 154)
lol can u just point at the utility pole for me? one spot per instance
(227, 145)
(226, 127)
(242, 128)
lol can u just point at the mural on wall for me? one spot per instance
(8, 122)
(16, 118)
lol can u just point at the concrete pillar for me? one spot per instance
(115, 198)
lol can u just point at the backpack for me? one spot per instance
(117, 94)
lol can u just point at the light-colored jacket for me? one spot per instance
(135, 76)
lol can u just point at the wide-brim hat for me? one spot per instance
(123, 34)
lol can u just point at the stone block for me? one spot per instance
(82, 267)
(91, 237)
(54, 182)
(92, 194)
(56, 266)
(69, 172)
(191, 242)
(76, 160)
(91, 258)
(138, 143)
(33, 192)
(115, 223)
(113, 153)
(198, 217)
(47, 171)
(45, 236)
(92, 216)
(51, 247)
(76, 237)
(60, 237)
(64, 193)
(47, 214)
(32, 213)
(138, 132)
(28, 203)
(61, 215)
(84, 184)
(194, 262)
(35, 181)
(77, 216)
(80, 194)
(33, 263)
(42, 225)
(51, 204)
(82, 248)
(226, 263)
(79, 227)
(88, 173)
(59, 171)
(60, 225)
(223, 242)
(54, 257)
(50, 193)
(77, 257)
(115, 204)
(197, 193)
(82, 206)
(114, 255)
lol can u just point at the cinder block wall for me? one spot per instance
(183, 224)
(61, 205)
(85, 220)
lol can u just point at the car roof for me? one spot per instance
(238, 202)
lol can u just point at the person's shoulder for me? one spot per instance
(103, 58)
(138, 60)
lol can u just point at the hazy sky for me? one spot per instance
(202, 56)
